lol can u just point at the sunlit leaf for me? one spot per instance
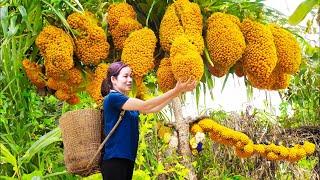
(140, 175)
(302, 10)
(44, 141)
(6, 156)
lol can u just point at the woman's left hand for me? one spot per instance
(185, 86)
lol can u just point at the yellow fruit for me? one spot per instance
(249, 148)
(122, 30)
(239, 71)
(91, 42)
(309, 147)
(272, 156)
(241, 153)
(260, 56)
(142, 90)
(165, 76)
(217, 70)
(196, 128)
(206, 124)
(74, 99)
(284, 152)
(225, 41)
(181, 17)
(138, 51)
(34, 73)
(117, 11)
(56, 46)
(182, 45)
(170, 27)
(259, 148)
(288, 50)
(94, 86)
(62, 94)
(189, 65)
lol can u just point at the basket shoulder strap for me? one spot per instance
(114, 128)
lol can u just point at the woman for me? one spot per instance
(121, 149)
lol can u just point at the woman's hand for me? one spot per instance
(185, 86)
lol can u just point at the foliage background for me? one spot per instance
(30, 141)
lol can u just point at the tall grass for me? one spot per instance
(20, 23)
(27, 120)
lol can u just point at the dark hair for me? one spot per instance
(113, 70)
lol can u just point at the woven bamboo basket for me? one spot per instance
(81, 134)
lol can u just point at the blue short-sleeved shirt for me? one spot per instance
(123, 143)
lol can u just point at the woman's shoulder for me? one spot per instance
(116, 98)
(113, 94)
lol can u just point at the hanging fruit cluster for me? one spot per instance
(34, 73)
(138, 44)
(122, 20)
(57, 48)
(244, 146)
(181, 36)
(59, 72)
(90, 41)
(266, 54)
(226, 51)
(95, 81)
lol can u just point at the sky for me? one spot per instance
(287, 7)
(234, 95)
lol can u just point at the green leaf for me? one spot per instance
(35, 175)
(160, 168)
(224, 82)
(249, 90)
(22, 11)
(150, 10)
(93, 177)
(7, 178)
(44, 141)
(308, 164)
(206, 52)
(209, 82)
(302, 10)
(79, 4)
(4, 19)
(13, 28)
(197, 95)
(59, 14)
(140, 175)
(7, 157)
(72, 7)
(204, 93)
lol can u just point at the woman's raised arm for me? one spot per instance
(157, 103)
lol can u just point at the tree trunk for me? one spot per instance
(182, 126)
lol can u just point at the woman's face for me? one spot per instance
(123, 82)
